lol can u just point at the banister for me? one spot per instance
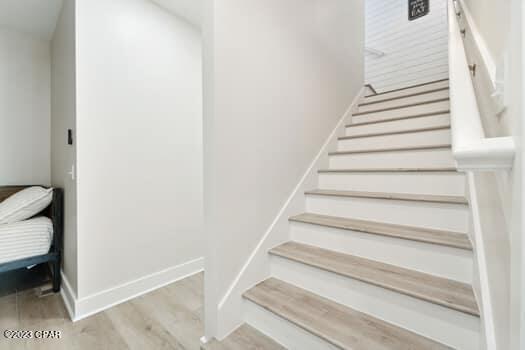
(471, 149)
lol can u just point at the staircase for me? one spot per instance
(381, 258)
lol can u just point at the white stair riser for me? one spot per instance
(405, 92)
(282, 331)
(423, 138)
(441, 216)
(447, 262)
(437, 95)
(400, 125)
(442, 324)
(437, 158)
(440, 183)
(436, 107)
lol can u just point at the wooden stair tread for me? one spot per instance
(393, 149)
(244, 338)
(399, 132)
(425, 235)
(415, 104)
(389, 195)
(412, 116)
(402, 97)
(388, 170)
(441, 291)
(337, 324)
(407, 87)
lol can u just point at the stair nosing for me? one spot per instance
(379, 284)
(416, 104)
(421, 239)
(429, 198)
(399, 132)
(305, 323)
(401, 97)
(393, 149)
(388, 170)
(408, 87)
(420, 115)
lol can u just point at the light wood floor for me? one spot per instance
(168, 318)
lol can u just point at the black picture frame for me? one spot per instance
(418, 9)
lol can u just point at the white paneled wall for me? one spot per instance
(414, 51)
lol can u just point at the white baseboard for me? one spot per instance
(257, 267)
(79, 309)
(68, 296)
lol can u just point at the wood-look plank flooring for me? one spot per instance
(337, 324)
(389, 195)
(448, 293)
(244, 338)
(167, 318)
(419, 234)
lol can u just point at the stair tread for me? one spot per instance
(389, 195)
(419, 234)
(335, 323)
(412, 116)
(441, 291)
(243, 338)
(390, 170)
(407, 87)
(402, 97)
(398, 132)
(415, 104)
(392, 149)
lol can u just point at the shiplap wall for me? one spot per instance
(415, 51)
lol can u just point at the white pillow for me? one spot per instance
(25, 204)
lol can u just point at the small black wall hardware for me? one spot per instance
(472, 68)
(69, 136)
(418, 8)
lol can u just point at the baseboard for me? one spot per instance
(257, 265)
(79, 309)
(68, 296)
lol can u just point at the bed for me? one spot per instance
(40, 241)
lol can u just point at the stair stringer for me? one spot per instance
(257, 267)
(491, 248)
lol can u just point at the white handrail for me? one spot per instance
(472, 150)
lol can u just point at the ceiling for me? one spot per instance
(35, 17)
(191, 10)
(39, 17)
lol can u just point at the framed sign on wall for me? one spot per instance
(418, 8)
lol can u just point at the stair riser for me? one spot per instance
(441, 216)
(423, 138)
(447, 262)
(438, 120)
(436, 158)
(436, 107)
(405, 101)
(415, 90)
(445, 183)
(281, 330)
(442, 324)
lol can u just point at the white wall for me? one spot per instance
(24, 109)
(63, 117)
(278, 77)
(139, 143)
(415, 51)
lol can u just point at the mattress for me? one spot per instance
(25, 239)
